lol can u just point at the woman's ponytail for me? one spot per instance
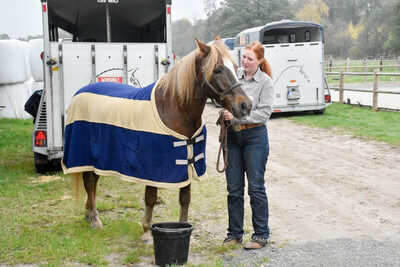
(265, 67)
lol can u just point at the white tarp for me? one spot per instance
(21, 73)
(35, 62)
(13, 98)
(13, 62)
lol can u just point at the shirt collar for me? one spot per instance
(256, 77)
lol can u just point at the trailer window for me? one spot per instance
(292, 37)
(307, 36)
(126, 21)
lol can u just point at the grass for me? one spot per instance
(361, 122)
(41, 224)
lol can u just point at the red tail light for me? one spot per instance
(327, 98)
(40, 138)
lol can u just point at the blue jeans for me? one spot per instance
(247, 153)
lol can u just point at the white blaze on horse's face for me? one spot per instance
(240, 106)
(229, 65)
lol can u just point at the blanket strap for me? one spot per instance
(189, 161)
(189, 141)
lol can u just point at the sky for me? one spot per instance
(20, 18)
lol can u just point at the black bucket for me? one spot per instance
(171, 242)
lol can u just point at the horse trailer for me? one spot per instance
(93, 41)
(295, 51)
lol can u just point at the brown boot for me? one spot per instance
(257, 242)
(231, 240)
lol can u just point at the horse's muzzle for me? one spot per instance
(242, 109)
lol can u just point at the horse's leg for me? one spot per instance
(150, 198)
(90, 182)
(184, 200)
(87, 214)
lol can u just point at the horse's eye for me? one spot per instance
(217, 71)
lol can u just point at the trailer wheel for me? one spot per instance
(42, 164)
(319, 111)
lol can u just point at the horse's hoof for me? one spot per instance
(87, 218)
(96, 225)
(147, 238)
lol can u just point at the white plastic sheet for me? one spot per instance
(13, 62)
(13, 98)
(35, 62)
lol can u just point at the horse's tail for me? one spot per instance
(77, 186)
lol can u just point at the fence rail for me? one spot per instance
(374, 90)
(361, 67)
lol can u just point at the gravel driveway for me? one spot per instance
(349, 252)
(334, 199)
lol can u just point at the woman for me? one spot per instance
(248, 150)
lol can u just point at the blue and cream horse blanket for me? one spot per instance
(115, 130)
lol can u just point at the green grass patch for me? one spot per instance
(41, 223)
(360, 121)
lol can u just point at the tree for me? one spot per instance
(182, 37)
(376, 27)
(338, 41)
(238, 15)
(4, 36)
(210, 8)
(313, 11)
(344, 10)
(393, 43)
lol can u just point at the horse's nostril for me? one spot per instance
(244, 106)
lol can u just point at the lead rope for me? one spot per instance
(223, 137)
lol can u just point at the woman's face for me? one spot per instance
(250, 62)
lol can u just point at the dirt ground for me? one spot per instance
(323, 185)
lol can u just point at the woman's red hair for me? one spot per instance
(258, 49)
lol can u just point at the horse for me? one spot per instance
(178, 100)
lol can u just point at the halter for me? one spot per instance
(222, 94)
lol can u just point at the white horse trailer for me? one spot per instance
(295, 51)
(127, 41)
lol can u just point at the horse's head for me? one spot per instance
(216, 72)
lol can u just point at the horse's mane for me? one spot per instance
(181, 79)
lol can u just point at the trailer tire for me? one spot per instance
(319, 111)
(42, 164)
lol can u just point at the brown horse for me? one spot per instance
(180, 97)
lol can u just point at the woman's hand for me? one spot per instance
(227, 115)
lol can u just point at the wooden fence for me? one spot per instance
(375, 91)
(329, 64)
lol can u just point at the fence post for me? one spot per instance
(398, 62)
(348, 64)
(330, 63)
(375, 92)
(381, 63)
(341, 85)
(365, 69)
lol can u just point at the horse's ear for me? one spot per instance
(204, 49)
(218, 38)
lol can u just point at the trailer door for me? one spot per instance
(297, 73)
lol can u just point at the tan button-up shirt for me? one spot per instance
(260, 89)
